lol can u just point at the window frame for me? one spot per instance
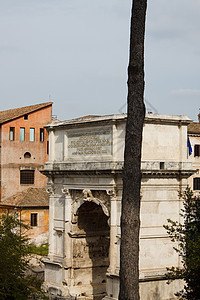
(41, 135)
(12, 130)
(31, 134)
(27, 177)
(47, 147)
(196, 150)
(34, 219)
(196, 183)
(22, 134)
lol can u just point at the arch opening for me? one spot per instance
(91, 250)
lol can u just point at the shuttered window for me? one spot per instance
(196, 150)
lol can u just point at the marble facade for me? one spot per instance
(85, 186)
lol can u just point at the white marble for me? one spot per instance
(85, 185)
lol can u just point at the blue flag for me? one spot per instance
(189, 146)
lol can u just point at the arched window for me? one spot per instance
(27, 155)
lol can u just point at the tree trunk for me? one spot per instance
(130, 219)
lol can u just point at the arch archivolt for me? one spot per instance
(99, 197)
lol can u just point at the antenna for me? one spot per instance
(150, 108)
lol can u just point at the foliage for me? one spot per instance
(39, 250)
(187, 236)
(15, 255)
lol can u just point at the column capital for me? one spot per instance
(66, 192)
(50, 189)
(112, 193)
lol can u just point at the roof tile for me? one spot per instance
(31, 197)
(11, 114)
(194, 128)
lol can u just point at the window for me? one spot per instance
(34, 219)
(22, 134)
(41, 135)
(162, 165)
(32, 134)
(27, 155)
(196, 150)
(26, 117)
(48, 147)
(196, 183)
(12, 133)
(26, 176)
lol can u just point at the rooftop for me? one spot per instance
(10, 114)
(31, 197)
(194, 128)
(149, 118)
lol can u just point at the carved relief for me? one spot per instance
(103, 197)
(91, 248)
(87, 195)
(76, 195)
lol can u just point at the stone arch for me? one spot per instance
(80, 197)
(91, 242)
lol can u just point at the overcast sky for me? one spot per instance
(75, 53)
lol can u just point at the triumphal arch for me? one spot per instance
(85, 186)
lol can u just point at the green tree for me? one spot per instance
(187, 237)
(15, 255)
(130, 220)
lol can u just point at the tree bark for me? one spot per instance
(130, 219)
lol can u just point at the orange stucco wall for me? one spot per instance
(12, 152)
(25, 216)
(43, 221)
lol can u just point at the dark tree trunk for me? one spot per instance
(130, 220)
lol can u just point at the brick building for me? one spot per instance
(23, 152)
(23, 147)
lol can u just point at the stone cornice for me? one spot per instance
(167, 173)
(115, 168)
(110, 119)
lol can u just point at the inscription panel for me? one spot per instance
(97, 142)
